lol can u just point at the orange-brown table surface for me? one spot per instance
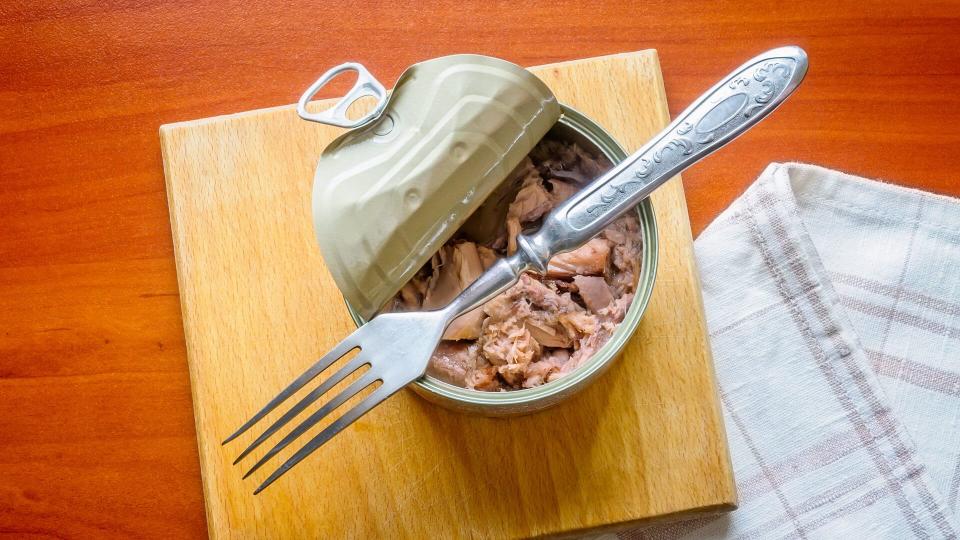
(96, 427)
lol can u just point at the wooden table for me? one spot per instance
(96, 427)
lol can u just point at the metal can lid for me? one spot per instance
(389, 193)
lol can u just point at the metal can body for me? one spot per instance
(576, 127)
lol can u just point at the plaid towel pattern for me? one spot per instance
(833, 304)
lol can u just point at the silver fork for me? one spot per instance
(397, 346)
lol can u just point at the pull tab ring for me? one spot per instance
(366, 85)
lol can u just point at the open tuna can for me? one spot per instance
(412, 203)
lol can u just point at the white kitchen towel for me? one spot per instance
(833, 305)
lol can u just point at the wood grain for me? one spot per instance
(96, 429)
(259, 306)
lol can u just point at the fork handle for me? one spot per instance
(735, 104)
(732, 106)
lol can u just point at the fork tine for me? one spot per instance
(365, 380)
(348, 344)
(371, 401)
(314, 395)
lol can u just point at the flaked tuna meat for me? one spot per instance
(487, 225)
(513, 374)
(617, 310)
(508, 342)
(487, 256)
(543, 327)
(568, 161)
(409, 296)
(540, 372)
(594, 291)
(483, 378)
(547, 331)
(466, 259)
(443, 284)
(532, 202)
(590, 165)
(624, 235)
(451, 270)
(589, 345)
(466, 326)
(466, 262)
(538, 294)
(452, 361)
(560, 286)
(580, 323)
(537, 308)
(571, 176)
(589, 259)
(561, 191)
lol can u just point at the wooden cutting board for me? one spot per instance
(645, 441)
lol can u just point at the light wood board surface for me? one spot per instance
(645, 441)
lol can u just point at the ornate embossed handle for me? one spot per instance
(728, 109)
